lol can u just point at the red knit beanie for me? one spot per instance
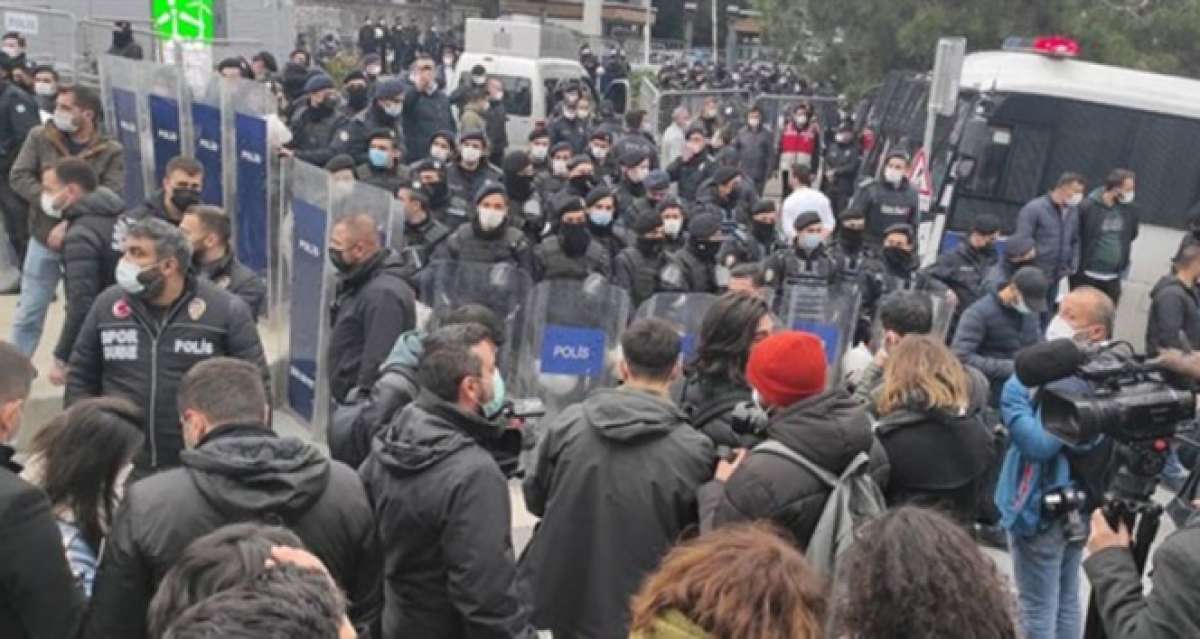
(787, 367)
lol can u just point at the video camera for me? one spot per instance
(1127, 398)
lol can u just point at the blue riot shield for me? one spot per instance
(121, 83)
(829, 311)
(685, 311)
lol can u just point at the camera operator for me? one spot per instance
(1038, 492)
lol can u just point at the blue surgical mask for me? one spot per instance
(379, 158)
(808, 241)
(491, 410)
(600, 217)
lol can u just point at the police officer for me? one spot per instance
(422, 232)
(673, 214)
(758, 242)
(754, 146)
(964, 269)
(373, 305)
(843, 159)
(383, 167)
(209, 230)
(692, 269)
(601, 223)
(356, 94)
(568, 126)
(600, 150)
(142, 335)
(488, 238)
(549, 183)
(581, 178)
(431, 174)
(631, 187)
(807, 260)
(723, 193)
(497, 120)
(524, 204)
(633, 136)
(658, 186)
(442, 147)
(467, 176)
(692, 167)
(637, 267)
(384, 112)
(18, 116)
(890, 202)
(897, 271)
(318, 125)
(850, 253)
(539, 151)
(570, 252)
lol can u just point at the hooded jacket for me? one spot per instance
(829, 429)
(614, 480)
(1174, 308)
(237, 473)
(354, 426)
(373, 306)
(444, 521)
(89, 260)
(45, 146)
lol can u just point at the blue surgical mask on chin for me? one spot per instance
(492, 409)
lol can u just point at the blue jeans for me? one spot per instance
(39, 278)
(1046, 569)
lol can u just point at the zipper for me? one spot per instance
(155, 334)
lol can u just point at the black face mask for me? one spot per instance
(764, 231)
(182, 199)
(326, 106)
(851, 239)
(987, 250)
(707, 250)
(575, 239)
(519, 187)
(582, 182)
(437, 193)
(649, 246)
(337, 257)
(357, 98)
(1016, 264)
(898, 258)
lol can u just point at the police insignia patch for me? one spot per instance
(196, 308)
(121, 309)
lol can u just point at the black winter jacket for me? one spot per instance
(685, 272)
(989, 335)
(505, 244)
(89, 260)
(709, 401)
(357, 128)
(1173, 308)
(424, 115)
(420, 242)
(551, 262)
(1092, 212)
(315, 134)
(614, 481)
(884, 205)
(18, 116)
(373, 306)
(444, 521)
(963, 271)
(237, 278)
(354, 426)
(125, 349)
(1170, 610)
(830, 429)
(462, 186)
(689, 175)
(38, 596)
(637, 273)
(237, 473)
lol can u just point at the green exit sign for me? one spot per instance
(183, 19)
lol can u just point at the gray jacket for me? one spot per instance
(755, 150)
(1055, 233)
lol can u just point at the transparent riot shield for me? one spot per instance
(685, 311)
(250, 174)
(448, 284)
(121, 84)
(829, 311)
(569, 340)
(208, 121)
(170, 117)
(941, 308)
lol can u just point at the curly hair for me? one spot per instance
(915, 573)
(739, 582)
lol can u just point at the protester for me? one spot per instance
(75, 131)
(673, 139)
(1108, 225)
(715, 384)
(120, 350)
(1046, 560)
(755, 148)
(824, 425)
(496, 119)
(717, 585)
(914, 573)
(235, 469)
(441, 502)
(1001, 323)
(584, 470)
(38, 595)
(210, 231)
(426, 109)
(1018, 252)
(1052, 222)
(82, 459)
(901, 313)
(692, 166)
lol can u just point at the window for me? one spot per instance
(518, 96)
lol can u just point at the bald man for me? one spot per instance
(372, 307)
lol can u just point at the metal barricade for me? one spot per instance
(668, 101)
(93, 39)
(648, 96)
(49, 33)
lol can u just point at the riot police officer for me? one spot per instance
(890, 202)
(601, 223)
(691, 168)
(631, 188)
(693, 269)
(843, 159)
(637, 267)
(383, 167)
(383, 113)
(554, 179)
(524, 203)
(317, 123)
(466, 176)
(431, 174)
(422, 232)
(897, 271)
(488, 238)
(759, 242)
(570, 252)
(806, 260)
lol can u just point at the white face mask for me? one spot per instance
(12, 52)
(538, 152)
(471, 155)
(599, 152)
(754, 122)
(44, 89)
(439, 153)
(672, 227)
(48, 206)
(394, 110)
(893, 176)
(583, 113)
(1059, 329)
(638, 175)
(801, 120)
(64, 122)
(127, 277)
(373, 70)
(448, 60)
(1127, 197)
(1074, 200)
(490, 219)
(559, 167)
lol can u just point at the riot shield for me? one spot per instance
(170, 119)
(685, 311)
(447, 284)
(569, 336)
(208, 123)
(941, 310)
(121, 84)
(829, 311)
(249, 174)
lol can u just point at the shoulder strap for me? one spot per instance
(778, 449)
(707, 411)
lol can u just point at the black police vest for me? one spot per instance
(466, 246)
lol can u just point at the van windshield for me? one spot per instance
(518, 98)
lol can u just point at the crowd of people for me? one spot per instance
(698, 498)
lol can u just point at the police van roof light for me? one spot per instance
(1056, 46)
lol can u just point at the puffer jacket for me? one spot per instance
(755, 152)
(89, 260)
(1174, 308)
(237, 473)
(45, 146)
(1055, 232)
(709, 401)
(989, 335)
(125, 349)
(829, 429)
(444, 520)
(230, 274)
(424, 115)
